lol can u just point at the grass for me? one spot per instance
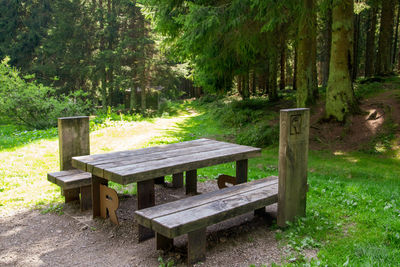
(353, 203)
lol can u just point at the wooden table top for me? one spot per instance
(137, 165)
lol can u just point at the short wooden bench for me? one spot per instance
(192, 215)
(73, 182)
(73, 137)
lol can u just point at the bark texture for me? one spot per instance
(307, 84)
(339, 96)
(370, 43)
(384, 62)
(326, 46)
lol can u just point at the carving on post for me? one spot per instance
(224, 179)
(293, 157)
(109, 203)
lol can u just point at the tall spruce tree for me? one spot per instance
(340, 99)
(307, 84)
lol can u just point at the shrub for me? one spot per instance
(260, 135)
(35, 105)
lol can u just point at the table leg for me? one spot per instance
(177, 180)
(191, 182)
(86, 197)
(96, 182)
(145, 199)
(241, 171)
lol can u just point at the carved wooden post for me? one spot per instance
(73, 136)
(293, 156)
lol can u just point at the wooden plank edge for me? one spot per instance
(225, 193)
(222, 216)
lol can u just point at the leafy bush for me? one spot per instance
(259, 135)
(35, 105)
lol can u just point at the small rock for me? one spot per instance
(84, 228)
(59, 231)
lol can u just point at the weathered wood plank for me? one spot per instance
(64, 173)
(143, 216)
(148, 155)
(142, 171)
(293, 155)
(196, 246)
(73, 134)
(145, 199)
(188, 220)
(191, 182)
(141, 151)
(177, 180)
(96, 182)
(86, 197)
(163, 242)
(99, 166)
(241, 171)
(70, 179)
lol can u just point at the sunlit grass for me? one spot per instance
(353, 203)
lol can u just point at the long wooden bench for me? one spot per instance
(192, 215)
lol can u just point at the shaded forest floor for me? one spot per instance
(353, 203)
(371, 129)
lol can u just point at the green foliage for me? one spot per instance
(162, 263)
(32, 104)
(53, 208)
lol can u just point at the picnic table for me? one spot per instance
(143, 166)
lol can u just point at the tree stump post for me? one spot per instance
(73, 136)
(293, 156)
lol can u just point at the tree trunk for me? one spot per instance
(326, 46)
(340, 98)
(273, 73)
(384, 60)
(396, 35)
(282, 84)
(355, 45)
(307, 84)
(295, 62)
(370, 42)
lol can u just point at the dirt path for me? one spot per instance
(29, 238)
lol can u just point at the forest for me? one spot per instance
(118, 53)
(159, 72)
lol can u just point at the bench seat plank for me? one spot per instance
(70, 179)
(198, 200)
(197, 212)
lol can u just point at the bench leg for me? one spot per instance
(96, 182)
(159, 180)
(241, 171)
(191, 182)
(177, 180)
(86, 197)
(71, 194)
(260, 212)
(145, 199)
(196, 246)
(163, 242)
